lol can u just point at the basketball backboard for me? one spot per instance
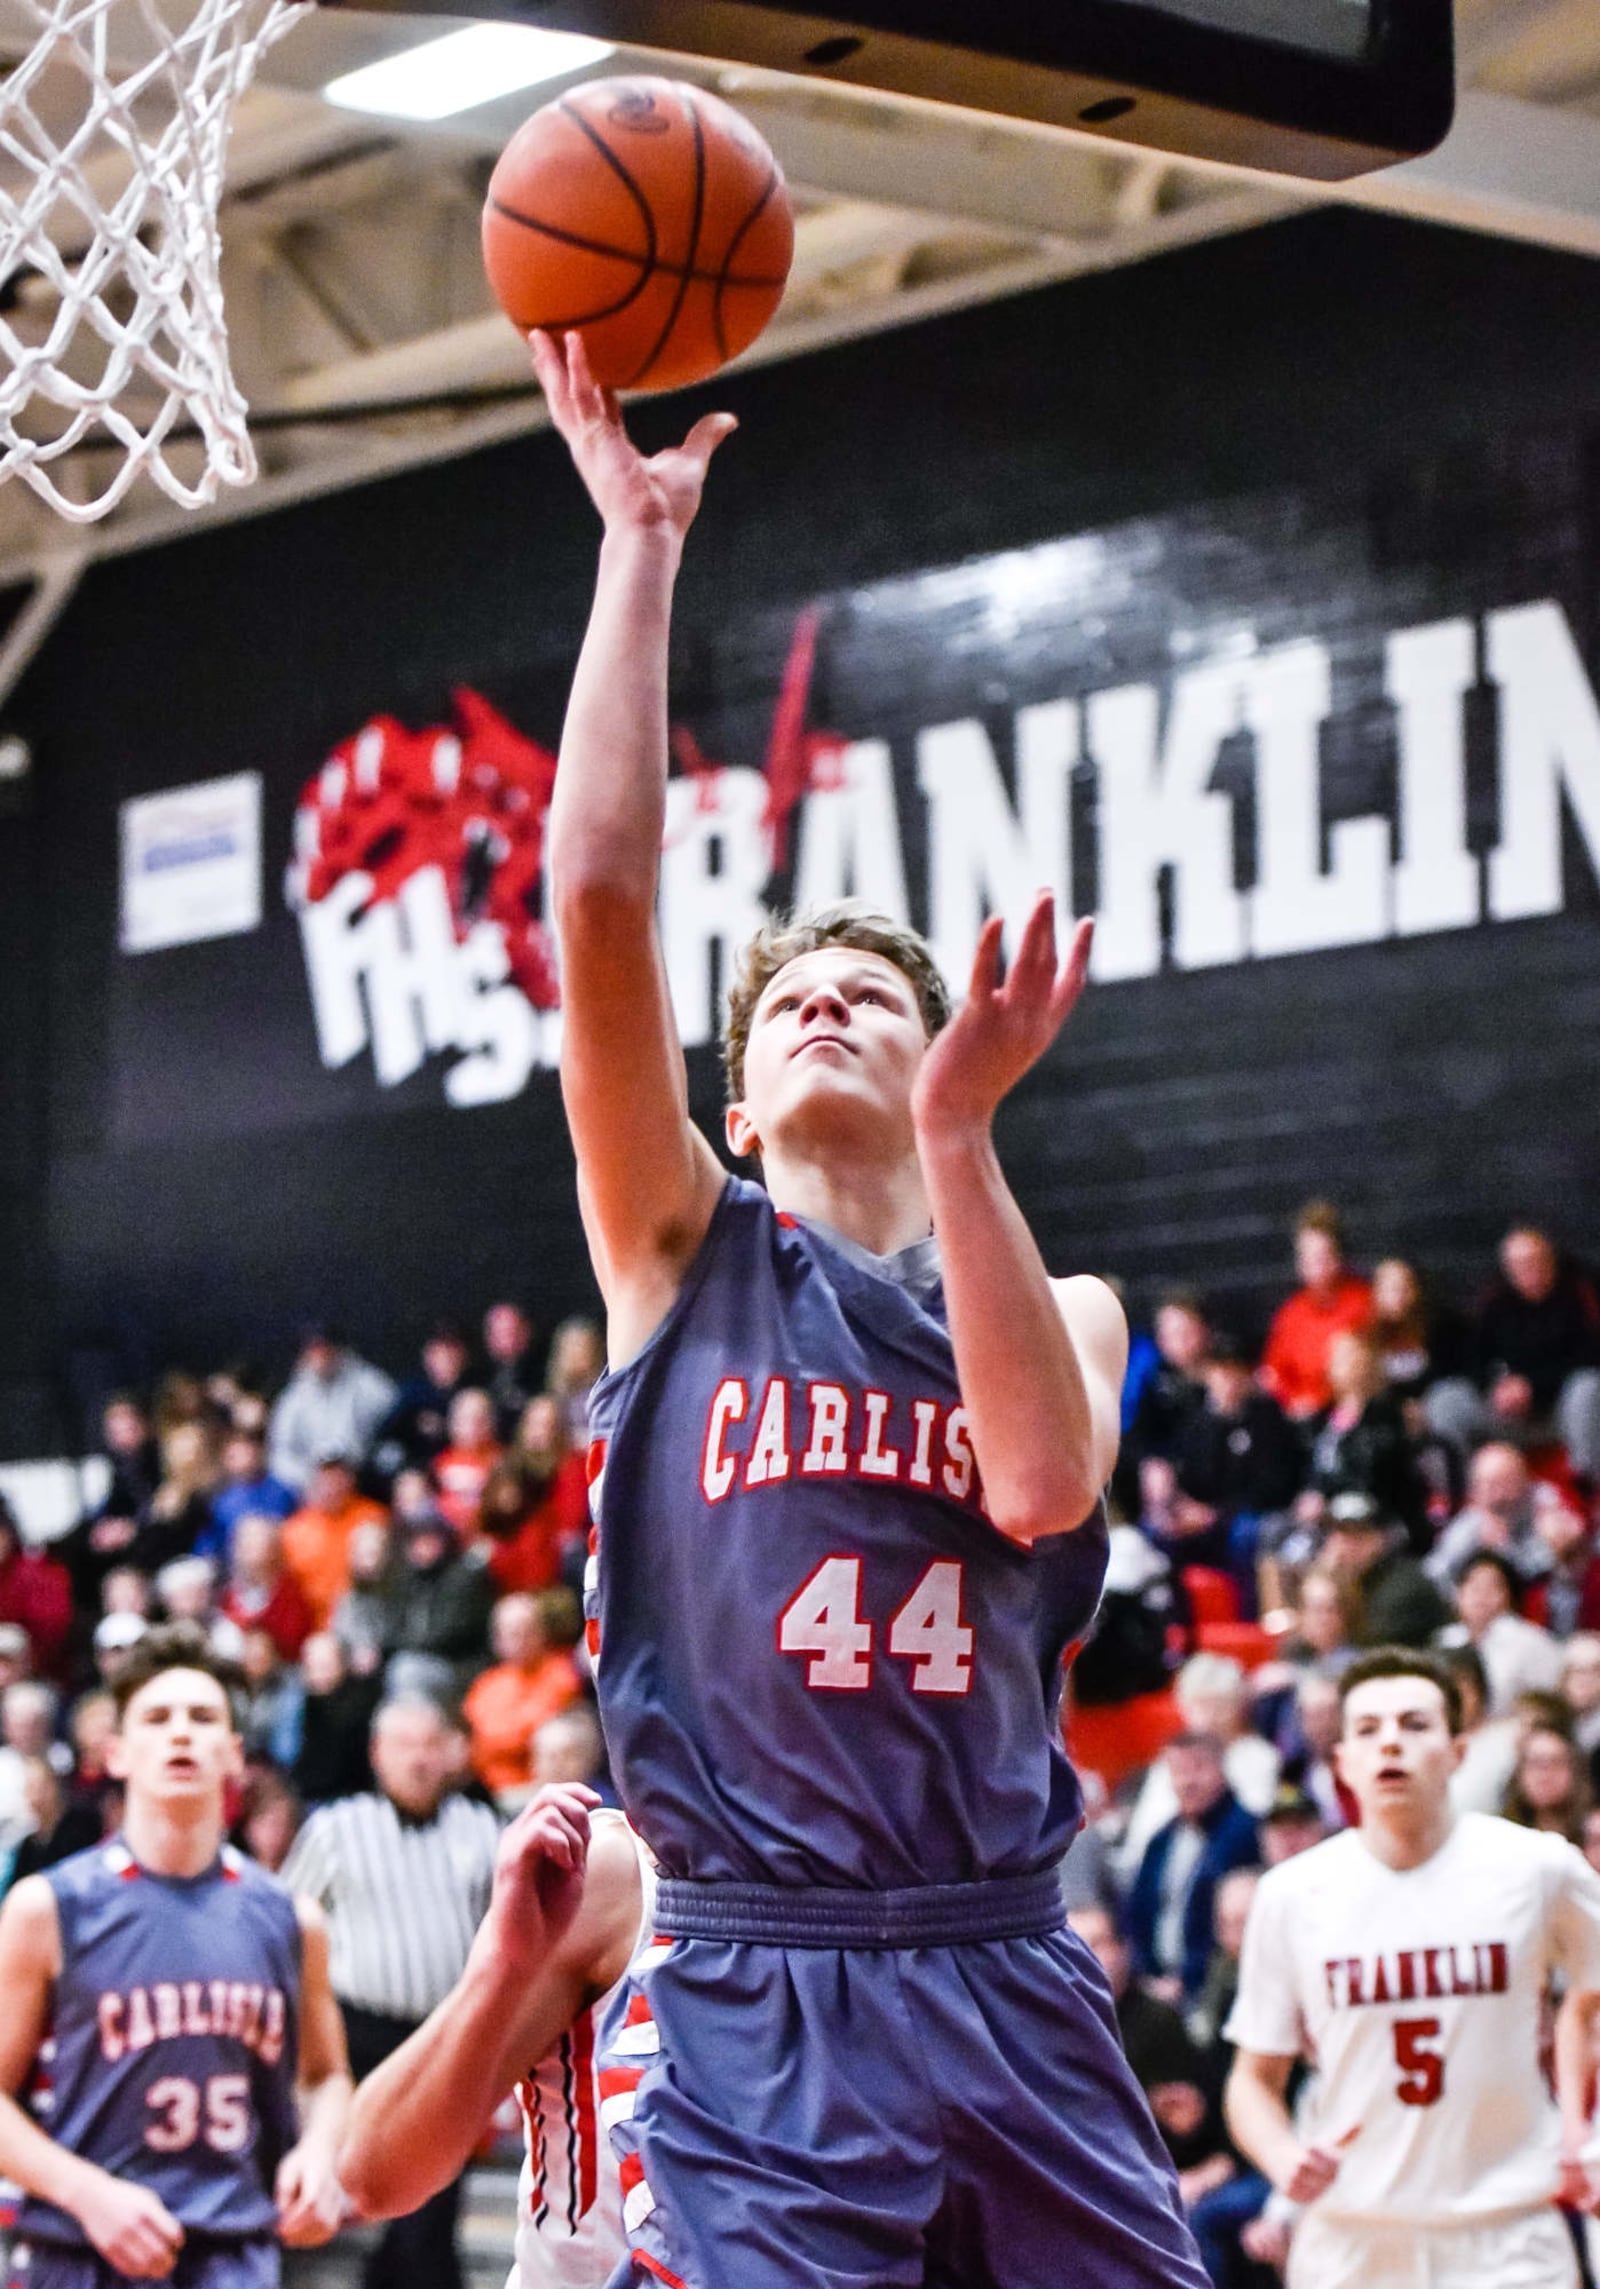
(1324, 89)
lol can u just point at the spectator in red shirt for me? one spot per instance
(519, 1531)
(1331, 1300)
(536, 1505)
(35, 1592)
(261, 1593)
(1568, 1597)
(462, 1470)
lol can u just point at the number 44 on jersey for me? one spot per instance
(824, 1622)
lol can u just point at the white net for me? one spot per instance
(113, 350)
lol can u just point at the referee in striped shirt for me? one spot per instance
(403, 1874)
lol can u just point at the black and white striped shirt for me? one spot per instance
(403, 1896)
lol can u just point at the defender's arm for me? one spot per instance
(648, 1181)
(1040, 1362)
(418, 2117)
(131, 2227)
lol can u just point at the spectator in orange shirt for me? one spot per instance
(316, 1540)
(1331, 1300)
(462, 1471)
(534, 1676)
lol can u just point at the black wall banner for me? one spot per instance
(1314, 732)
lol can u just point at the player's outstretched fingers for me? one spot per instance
(550, 369)
(592, 404)
(1075, 976)
(708, 433)
(984, 982)
(1033, 968)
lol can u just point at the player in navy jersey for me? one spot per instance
(163, 1999)
(847, 1468)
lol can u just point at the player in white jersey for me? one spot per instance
(1409, 1958)
(570, 1917)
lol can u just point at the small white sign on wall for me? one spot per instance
(191, 863)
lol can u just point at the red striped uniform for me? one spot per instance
(569, 2198)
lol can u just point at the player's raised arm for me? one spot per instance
(648, 1181)
(1040, 1361)
(130, 2226)
(560, 1927)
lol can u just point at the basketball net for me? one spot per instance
(113, 136)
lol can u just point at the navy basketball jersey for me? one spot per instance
(819, 1663)
(170, 2058)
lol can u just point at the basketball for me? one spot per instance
(648, 216)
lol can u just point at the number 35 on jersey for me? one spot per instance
(824, 1623)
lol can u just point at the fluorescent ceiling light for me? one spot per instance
(463, 69)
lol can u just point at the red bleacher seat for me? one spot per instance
(1122, 1737)
(1243, 1641)
(1211, 1594)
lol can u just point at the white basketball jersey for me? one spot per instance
(1417, 1993)
(569, 2197)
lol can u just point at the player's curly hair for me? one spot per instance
(176, 1645)
(849, 923)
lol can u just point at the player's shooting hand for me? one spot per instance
(311, 2202)
(539, 1872)
(1311, 2173)
(632, 490)
(1005, 1025)
(131, 2227)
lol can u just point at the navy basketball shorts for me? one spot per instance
(203, 2263)
(867, 2116)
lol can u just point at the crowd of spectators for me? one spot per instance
(347, 1542)
(1385, 1471)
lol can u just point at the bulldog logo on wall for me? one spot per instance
(418, 882)
(417, 879)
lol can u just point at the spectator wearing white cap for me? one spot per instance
(115, 1637)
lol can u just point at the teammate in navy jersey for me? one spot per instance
(163, 1998)
(847, 1467)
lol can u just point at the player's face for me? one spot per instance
(835, 1044)
(1397, 1751)
(176, 1744)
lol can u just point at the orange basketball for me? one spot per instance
(647, 215)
